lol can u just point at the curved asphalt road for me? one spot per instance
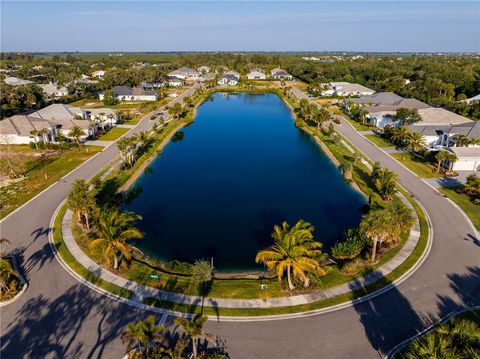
(58, 317)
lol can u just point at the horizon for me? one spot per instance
(231, 26)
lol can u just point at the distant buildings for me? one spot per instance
(229, 78)
(345, 89)
(203, 70)
(14, 81)
(185, 73)
(51, 121)
(53, 91)
(279, 74)
(256, 74)
(98, 74)
(124, 93)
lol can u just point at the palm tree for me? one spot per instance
(115, 229)
(111, 117)
(175, 110)
(432, 347)
(81, 201)
(378, 225)
(294, 251)
(6, 273)
(34, 133)
(451, 159)
(347, 170)
(461, 141)
(76, 132)
(143, 337)
(194, 330)
(403, 216)
(415, 141)
(142, 138)
(400, 134)
(126, 146)
(441, 157)
(385, 184)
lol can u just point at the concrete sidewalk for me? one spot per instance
(141, 292)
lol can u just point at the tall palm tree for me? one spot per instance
(385, 184)
(415, 141)
(451, 159)
(143, 337)
(379, 226)
(400, 134)
(294, 251)
(81, 201)
(402, 215)
(142, 138)
(115, 229)
(194, 330)
(76, 132)
(441, 157)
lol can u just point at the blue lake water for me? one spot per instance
(241, 167)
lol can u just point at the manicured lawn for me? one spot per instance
(358, 126)
(379, 141)
(113, 134)
(39, 171)
(463, 201)
(423, 170)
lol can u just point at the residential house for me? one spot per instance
(279, 74)
(100, 74)
(51, 121)
(52, 90)
(185, 73)
(230, 78)
(468, 158)
(377, 99)
(15, 81)
(155, 85)
(124, 93)
(381, 119)
(440, 116)
(174, 82)
(103, 116)
(256, 75)
(444, 135)
(203, 70)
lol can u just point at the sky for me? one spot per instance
(360, 26)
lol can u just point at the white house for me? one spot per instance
(174, 82)
(256, 75)
(45, 124)
(230, 78)
(184, 73)
(353, 90)
(15, 81)
(203, 70)
(468, 158)
(124, 93)
(279, 74)
(54, 91)
(98, 74)
(382, 118)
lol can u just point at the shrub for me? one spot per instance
(32, 145)
(351, 246)
(179, 267)
(352, 267)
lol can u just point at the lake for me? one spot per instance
(240, 168)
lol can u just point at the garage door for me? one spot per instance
(464, 165)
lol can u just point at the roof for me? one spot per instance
(173, 79)
(474, 98)
(22, 125)
(105, 111)
(233, 73)
(256, 73)
(466, 152)
(229, 77)
(183, 71)
(57, 111)
(409, 103)
(382, 114)
(279, 72)
(469, 129)
(353, 88)
(379, 98)
(428, 130)
(440, 116)
(203, 68)
(51, 89)
(129, 91)
(15, 81)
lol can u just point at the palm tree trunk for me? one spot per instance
(438, 166)
(290, 284)
(374, 249)
(87, 222)
(194, 347)
(115, 261)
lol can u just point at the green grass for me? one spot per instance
(77, 267)
(463, 201)
(113, 134)
(41, 172)
(471, 316)
(379, 141)
(358, 126)
(422, 169)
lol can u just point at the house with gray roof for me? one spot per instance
(256, 75)
(52, 90)
(279, 74)
(378, 99)
(23, 129)
(15, 81)
(124, 93)
(185, 73)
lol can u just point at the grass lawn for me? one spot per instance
(41, 168)
(463, 201)
(379, 141)
(423, 170)
(113, 134)
(358, 126)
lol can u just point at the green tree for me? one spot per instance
(294, 251)
(441, 157)
(461, 141)
(385, 184)
(7, 272)
(379, 225)
(415, 141)
(202, 272)
(109, 98)
(81, 201)
(176, 110)
(114, 230)
(193, 328)
(76, 132)
(400, 134)
(142, 338)
(407, 116)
